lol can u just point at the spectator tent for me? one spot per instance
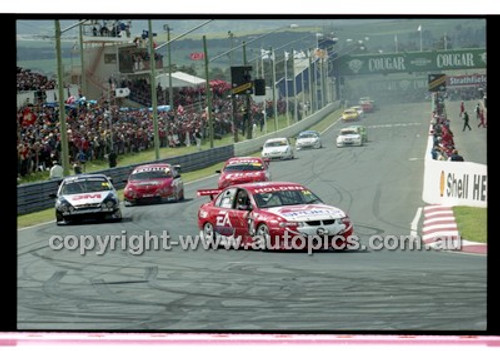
(179, 80)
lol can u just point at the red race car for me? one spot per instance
(272, 215)
(238, 170)
(367, 104)
(154, 183)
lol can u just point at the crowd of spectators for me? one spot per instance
(140, 91)
(466, 93)
(95, 128)
(29, 80)
(443, 147)
(111, 28)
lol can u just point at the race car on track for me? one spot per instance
(349, 136)
(350, 114)
(238, 170)
(362, 131)
(308, 139)
(273, 213)
(154, 183)
(86, 196)
(278, 148)
(361, 112)
(367, 104)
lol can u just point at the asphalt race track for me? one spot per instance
(379, 185)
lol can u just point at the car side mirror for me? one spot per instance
(52, 195)
(218, 171)
(177, 168)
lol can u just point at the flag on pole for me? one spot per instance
(265, 54)
(299, 54)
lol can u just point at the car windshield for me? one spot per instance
(348, 132)
(286, 198)
(307, 135)
(247, 166)
(276, 143)
(86, 186)
(145, 174)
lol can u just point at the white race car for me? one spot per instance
(308, 139)
(86, 196)
(278, 148)
(349, 136)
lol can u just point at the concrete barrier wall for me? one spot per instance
(250, 146)
(35, 196)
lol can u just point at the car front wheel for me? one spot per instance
(59, 218)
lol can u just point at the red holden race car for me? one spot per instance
(238, 170)
(279, 215)
(154, 182)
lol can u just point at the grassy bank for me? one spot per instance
(471, 223)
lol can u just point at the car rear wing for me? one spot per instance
(208, 192)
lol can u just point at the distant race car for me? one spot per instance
(239, 170)
(308, 139)
(361, 112)
(367, 104)
(349, 115)
(349, 136)
(154, 183)
(86, 196)
(275, 213)
(278, 148)
(366, 99)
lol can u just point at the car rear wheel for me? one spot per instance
(207, 233)
(263, 233)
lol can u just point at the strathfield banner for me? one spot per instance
(426, 61)
(468, 80)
